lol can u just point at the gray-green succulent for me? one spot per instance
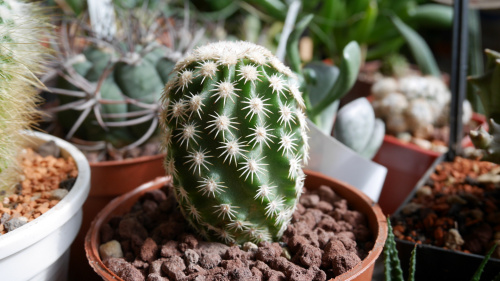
(235, 138)
(488, 85)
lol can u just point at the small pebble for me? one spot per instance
(67, 184)
(49, 149)
(249, 246)
(15, 223)
(59, 194)
(111, 249)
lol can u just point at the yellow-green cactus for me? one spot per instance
(22, 32)
(235, 141)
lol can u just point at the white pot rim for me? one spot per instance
(34, 231)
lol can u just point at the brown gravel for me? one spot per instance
(319, 244)
(45, 181)
(454, 210)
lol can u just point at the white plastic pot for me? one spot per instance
(39, 250)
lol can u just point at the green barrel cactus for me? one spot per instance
(22, 54)
(235, 138)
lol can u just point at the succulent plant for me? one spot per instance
(109, 90)
(488, 86)
(22, 55)
(415, 104)
(235, 138)
(392, 263)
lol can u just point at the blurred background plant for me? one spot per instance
(110, 71)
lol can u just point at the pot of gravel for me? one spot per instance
(39, 249)
(336, 233)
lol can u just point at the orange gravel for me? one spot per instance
(41, 175)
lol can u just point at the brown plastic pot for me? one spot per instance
(357, 199)
(407, 164)
(109, 179)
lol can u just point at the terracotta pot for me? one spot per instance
(407, 164)
(357, 199)
(108, 180)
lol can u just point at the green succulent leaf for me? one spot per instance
(419, 48)
(349, 69)
(432, 15)
(479, 271)
(325, 77)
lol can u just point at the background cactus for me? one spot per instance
(109, 88)
(488, 86)
(22, 54)
(414, 104)
(235, 141)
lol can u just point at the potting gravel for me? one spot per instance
(153, 242)
(45, 181)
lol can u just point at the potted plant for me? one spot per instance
(415, 110)
(235, 136)
(106, 87)
(461, 212)
(28, 228)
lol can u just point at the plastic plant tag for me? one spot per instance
(102, 18)
(332, 158)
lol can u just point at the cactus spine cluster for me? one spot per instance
(488, 86)
(235, 141)
(21, 57)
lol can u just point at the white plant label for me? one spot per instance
(102, 18)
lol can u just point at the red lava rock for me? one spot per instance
(273, 275)
(323, 237)
(188, 242)
(327, 194)
(194, 268)
(209, 260)
(149, 250)
(342, 263)
(308, 256)
(332, 249)
(155, 266)
(156, 277)
(329, 223)
(300, 209)
(139, 264)
(149, 206)
(296, 242)
(174, 267)
(123, 269)
(157, 195)
(309, 200)
(324, 207)
(107, 233)
(313, 241)
(241, 273)
(169, 249)
(131, 226)
(191, 257)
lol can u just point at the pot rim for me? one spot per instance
(57, 216)
(92, 236)
(128, 161)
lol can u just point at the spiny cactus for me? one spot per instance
(22, 30)
(235, 137)
(110, 91)
(488, 86)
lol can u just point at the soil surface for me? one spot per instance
(46, 179)
(458, 208)
(153, 242)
